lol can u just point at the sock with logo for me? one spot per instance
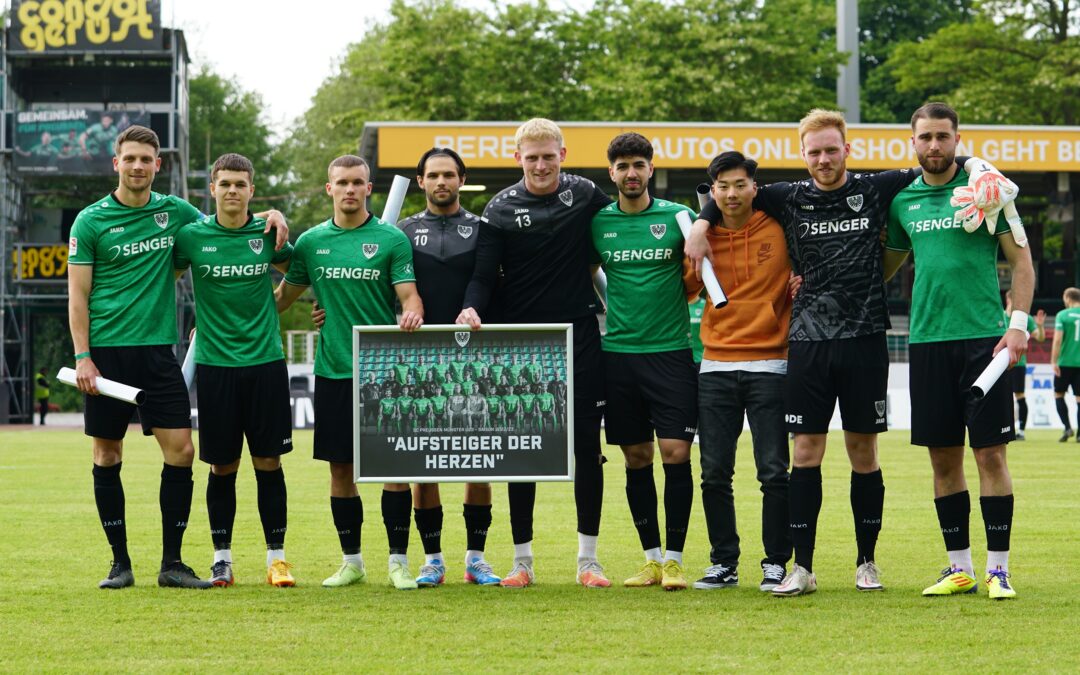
(678, 501)
(1022, 410)
(867, 505)
(954, 515)
(273, 507)
(804, 505)
(997, 513)
(1063, 412)
(174, 496)
(429, 524)
(641, 496)
(395, 513)
(221, 508)
(109, 497)
(348, 515)
(522, 502)
(477, 522)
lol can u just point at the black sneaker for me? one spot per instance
(772, 575)
(718, 576)
(1065, 435)
(120, 576)
(178, 575)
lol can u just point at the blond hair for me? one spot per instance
(1072, 294)
(819, 118)
(538, 129)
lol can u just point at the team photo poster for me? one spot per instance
(446, 405)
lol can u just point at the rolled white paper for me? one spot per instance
(121, 392)
(395, 199)
(704, 194)
(708, 275)
(990, 375)
(599, 282)
(188, 367)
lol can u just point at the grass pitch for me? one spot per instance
(53, 617)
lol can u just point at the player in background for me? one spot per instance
(357, 265)
(1065, 356)
(956, 329)
(649, 368)
(370, 393)
(241, 377)
(537, 232)
(121, 297)
(1018, 373)
(742, 373)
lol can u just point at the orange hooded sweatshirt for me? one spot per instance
(753, 268)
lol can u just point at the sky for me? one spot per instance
(281, 50)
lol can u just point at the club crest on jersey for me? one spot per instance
(567, 197)
(879, 407)
(370, 250)
(855, 202)
(256, 245)
(462, 338)
(465, 231)
(658, 230)
(162, 220)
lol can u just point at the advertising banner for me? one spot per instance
(446, 405)
(46, 26)
(74, 142)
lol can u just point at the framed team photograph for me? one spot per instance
(444, 404)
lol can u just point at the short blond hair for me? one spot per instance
(538, 129)
(1072, 294)
(819, 118)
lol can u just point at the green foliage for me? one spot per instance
(56, 620)
(1015, 63)
(226, 118)
(52, 351)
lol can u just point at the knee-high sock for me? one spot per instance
(109, 497)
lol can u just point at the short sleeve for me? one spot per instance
(1059, 321)
(401, 261)
(896, 238)
(284, 254)
(187, 213)
(890, 183)
(181, 255)
(771, 199)
(298, 269)
(82, 243)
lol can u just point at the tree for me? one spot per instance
(225, 118)
(1015, 63)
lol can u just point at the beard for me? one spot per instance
(936, 165)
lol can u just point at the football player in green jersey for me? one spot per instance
(241, 377)
(1065, 356)
(650, 375)
(357, 266)
(121, 297)
(956, 329)
(1018, 373)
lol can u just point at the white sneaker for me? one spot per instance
(798, 582)
(866, 577)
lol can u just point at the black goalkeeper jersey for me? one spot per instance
(444, 252)
(834, 240)
(542, 244)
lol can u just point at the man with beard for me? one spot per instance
(956, 329)
(650, 379)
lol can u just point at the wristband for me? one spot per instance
(82, 355)
(1019, 321)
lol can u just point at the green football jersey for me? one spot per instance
(441, 372)
(353, 273)
(405, 404)
(234, 295)
(528, 403)
(512, 404)
(401, 372)
(458, 370)
(439, 404)
(956, 295)
(642, 254)
(696, 310)
(449, 388)
(423, 406)
(514, 373)
(532, 373)
(494, 404)
(546, 402)
(468, 386)
(478, 367)
(387, 406)
(1067, 322)
(495, 372)
(133, 294)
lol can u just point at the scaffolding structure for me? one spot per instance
(148, 78)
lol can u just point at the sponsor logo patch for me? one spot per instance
(73, 246)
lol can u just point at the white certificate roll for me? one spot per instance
(991, 374)
(395, 199)
(708, 275)
(188, 367)
(116, 390)
(599, 282)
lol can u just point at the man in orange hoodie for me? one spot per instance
(742, 372)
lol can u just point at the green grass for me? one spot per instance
(52, 616)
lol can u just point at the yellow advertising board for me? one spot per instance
(39, 262)
(691, 146)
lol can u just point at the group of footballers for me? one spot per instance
(781, 357)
